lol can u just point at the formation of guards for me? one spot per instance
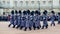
(31, 19)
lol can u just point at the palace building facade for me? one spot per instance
(8, 5)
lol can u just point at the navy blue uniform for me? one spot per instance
(58, 18)
(16, 20)
(37, 21)
(45, 17)
(31, 24)
(23, 21)
(31, 21)
(19, 21)
(28, 23)
(19, 18)
(45, 24)
(11, 19)
(52, 18)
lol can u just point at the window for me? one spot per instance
(38, 2)
(8, 3)
(21, 3)
(59, 2)
(15, 2)
(44, 2)
(3, 2)
(50, 2)
(32, 2)
(26, 2)
(0, 3)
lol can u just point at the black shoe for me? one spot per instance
(38, 28)
(54, 24)
(34, 28)
(46, 27)
(9, 25)
(17, 27)
(58, 22)
(14, 26)
(25, 29)
(21, 27)
(51, 24)
(30, 28)
(42, 27)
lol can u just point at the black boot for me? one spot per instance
(58, 22)
(21, 27)
(54, 24)
(51, 24)
(46, 26)
(13, 26)
(17, 27)
(38, 27)
(25, 29)
(34, 28)
(9, 25)
(42, 27)
(30, 28)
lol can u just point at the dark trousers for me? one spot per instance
(21, 27)
(58, 22)
(46, 26)
(38, 27)
(26, 28)
(53, 24)
(18, 26)
(10, 25)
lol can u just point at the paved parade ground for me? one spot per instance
(4, 29)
